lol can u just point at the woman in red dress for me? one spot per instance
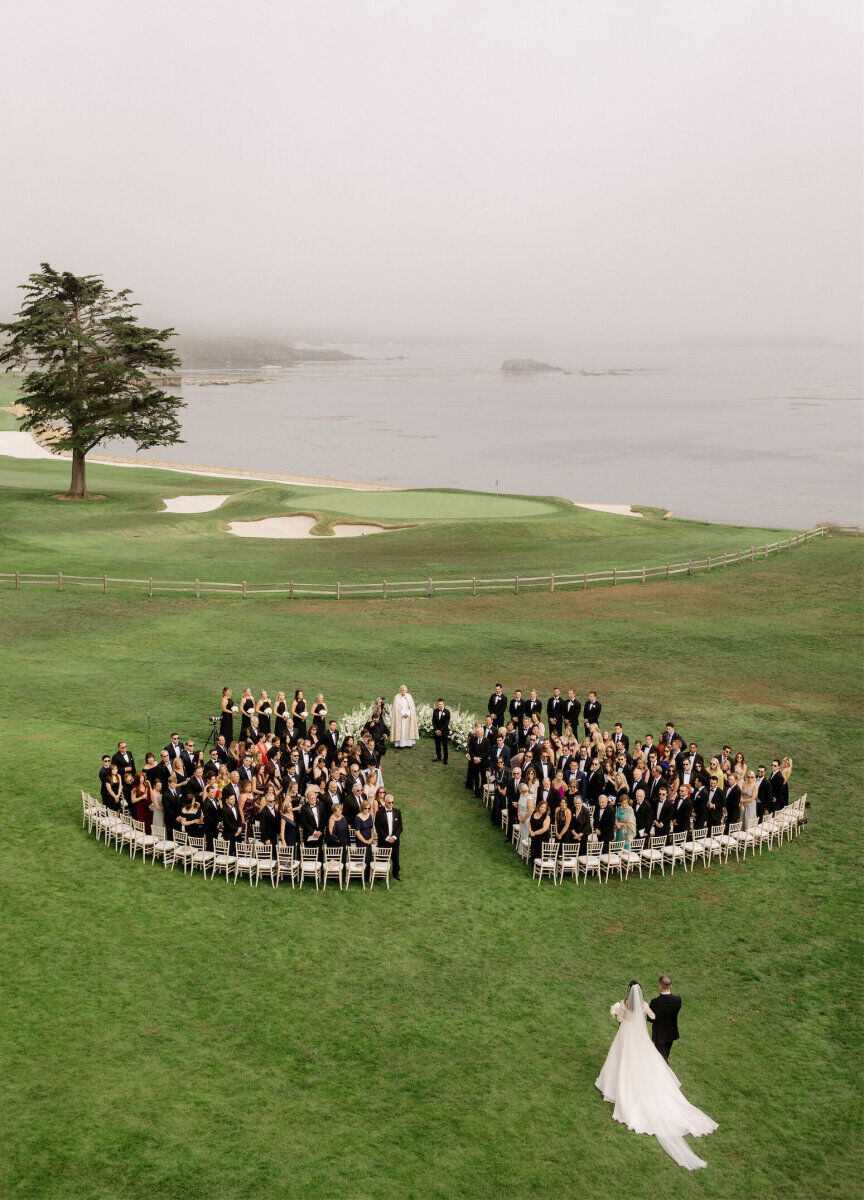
(141, 801)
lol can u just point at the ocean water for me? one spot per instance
(746, 435)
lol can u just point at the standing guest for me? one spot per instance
(749, 799)
(190, 819)
(312, 818)
(269, 821)
(715, 774)
(388, 826)
(625, 822)
(172, 803)
(714, 805)
(580, 825)
(604, 820)
(682, 815)
(497, 706)
(232, 816)
(299, 712)
(405, 731)
(227, 709)
(352, 800)
(211, 808)
(124, 761)
(538, 826)
(765, 795)
(337, 829)
(700, 800)
(476, 756)
(662, 815)
(524, 809)
(732, 803)
(247, 808)
(158, 823)
(441, 730)
(363, 830)
(287, 823)
(111, 793)
(643, 813)
(592, 711)
(563, 820)
(141, 800)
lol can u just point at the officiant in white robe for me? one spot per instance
(405, 731)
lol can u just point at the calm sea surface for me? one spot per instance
(755, 436)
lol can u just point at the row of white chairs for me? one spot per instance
(685, 849)
(252, 859)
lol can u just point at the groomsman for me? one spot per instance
(331, 741)
(517, 708)
(533, 705)
(592, 710)
(497, 705)
(572, 709)
(554, 711)
(388, 826)
(620, 738)
(441, 729)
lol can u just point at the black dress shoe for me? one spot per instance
(398, 878)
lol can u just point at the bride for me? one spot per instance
(644, 1088)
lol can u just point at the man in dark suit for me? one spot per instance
(732, 803)
(499, 754)
(174, 749)
(620, 738)
(533, 705)
(245, 769)
(123, 760)
(497, 706)
(653, 784)
(232, 820)
(331, 741)
(268, 820)
(572, 709)
(477, 757)
(554, 711)
(195, 786)
(604, 820)
(779, 787)
(594, 786)
(545, 792)
(683, 814)
(172, 802)
(592, 710)
(764, 795)
(388, 826)
(517, 708)
(664, 1023)
(662, 815)
(643, 811)
(211, 807)
(441, 730)
(312, 820)
(700, 805)
(714, 807)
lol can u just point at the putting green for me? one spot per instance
(431, 505)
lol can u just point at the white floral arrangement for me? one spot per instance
(351, 723)
(461, 724)
(617, 1010)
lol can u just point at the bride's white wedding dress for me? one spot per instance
(645, 1090)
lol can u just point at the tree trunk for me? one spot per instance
(78, 484)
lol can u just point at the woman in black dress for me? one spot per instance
(247, 708)
(280, 712)
(563, 821)
(226, 716)
(538, 825)
(288, 823)
(363, 831)
(319, 715)
(264, 708)
(112, 789)
(191, 818)
(299, 712)
(337, 829)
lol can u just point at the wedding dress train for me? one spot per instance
(645, 1090)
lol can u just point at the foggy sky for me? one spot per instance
(457, 169)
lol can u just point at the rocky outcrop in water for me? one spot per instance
(529, 366)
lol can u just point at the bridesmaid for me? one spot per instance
(319, 715)
(247, 708)
(226, 718)
(363, 830)
(538, 825)
(264, 708)
(281, 713)
(299, 712)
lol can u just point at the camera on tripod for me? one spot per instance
(213, 720)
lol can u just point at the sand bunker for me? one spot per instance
(21, 445)
(193, 504)
(621, 510)
(297, 526)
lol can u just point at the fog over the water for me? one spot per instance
(683, 170)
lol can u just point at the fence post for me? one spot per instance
(584, 580)
(338, 590)
(105, 584)
(614, 576)
(752, 552)
(151, 588)
(643, 574)
(806, 532)
(474, 586)
(552, 582)
(737, 556)
(383, 589)
(197, 590)
(291, 593)
(709, 564)
(517, 585)
(690, 566)
(17, 581)
(724, 558)
(667, 570)
(244, 589)
(59, 581)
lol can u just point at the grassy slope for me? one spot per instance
(459, 534)
(167, 1037)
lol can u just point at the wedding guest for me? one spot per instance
(625, 822)
(337, 828)
(124, 761)
(157, 826)
(363, 830)
(288, 835)
(190, 819)
(538, 826)
(604, 820)
(749, 798)
(140, 801)
(111, 792)
(580, 825)
(524, 809)
(563, 820)
(388, 827)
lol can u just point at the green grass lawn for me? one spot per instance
(170, 1037)
(457, 534)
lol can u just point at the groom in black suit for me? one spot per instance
(664, 1024)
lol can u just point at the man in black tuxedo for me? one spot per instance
(604, 820)
(572, 709)
(312, 819)
(533, 705)
(662, 815)
(592, 710)
(172, 803)
(499, 755)
(163, 770)
(732, 803)
(714, 807)
(654, 783)
(554, 711)
(268, 820)
(212, 765)
(517, 708)
(643, 811)
(620, 738)
(245, 770)
(700, 805)
(664, 1023)
(331, 741)
(545, 792)
(683, 813)
(441, 730)
(352, 794)
(123, 760)
(477, 756)
(594, 786)
(195, 786)
(764, 795)
(174, 749)
(779, 787)
(232, 820)
(211, 807)
(388, 826)
(497, 706)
